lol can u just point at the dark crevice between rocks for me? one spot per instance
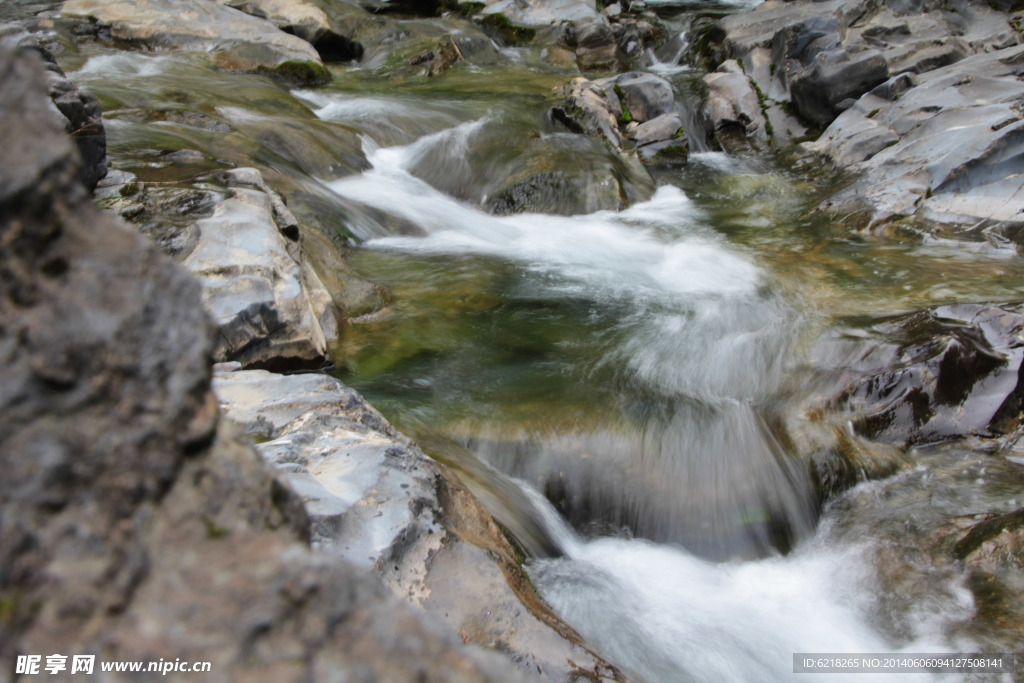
(331, 46)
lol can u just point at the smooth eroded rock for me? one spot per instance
(270, 308)
(234, 39)
(377, 500)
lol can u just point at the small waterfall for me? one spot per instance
(694, 350)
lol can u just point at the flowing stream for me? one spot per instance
(615, 385)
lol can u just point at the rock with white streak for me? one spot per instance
(377, 500)
(271, 309)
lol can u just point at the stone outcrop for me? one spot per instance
(378, 501)
(917, 98)
(634, 110)
(945, 145)
(935, 375)
(132, 526)
(78, 108)
(234, 40)
(270, 306)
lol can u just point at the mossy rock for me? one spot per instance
(462, 9)
(508, 33)
(299, 73)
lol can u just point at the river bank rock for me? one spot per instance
(943, 145)
(78, 108)
(635, 110)
(897, 87)
(235, 40)
(818, 55)
(132, 525)
(934, 375)
(305, 20)
(270, 307)
(377, 500)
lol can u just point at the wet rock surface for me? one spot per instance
(271, 309)
(897, 89)
(133, 526)
(377, 500)
(935, 375)
(202, 25)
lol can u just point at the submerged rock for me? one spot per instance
(132, 525)
(377, 500)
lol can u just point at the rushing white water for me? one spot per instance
(701, 334)
(665, 615)
(658, 247)
(125, 64)
(692, 460)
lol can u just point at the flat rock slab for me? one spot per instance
(235, 39)
(377, 500)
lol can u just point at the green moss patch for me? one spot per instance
(299, 73)
(626, 116)
(510, 34)
(463, 9)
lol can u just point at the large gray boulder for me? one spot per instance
(132, 525)
(833, 78)
(270, 307)
(945, 145)
(377, 500)
(233, 39)
(305, 20)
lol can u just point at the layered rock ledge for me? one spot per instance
(920, 100)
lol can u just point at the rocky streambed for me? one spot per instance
(682, 305)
